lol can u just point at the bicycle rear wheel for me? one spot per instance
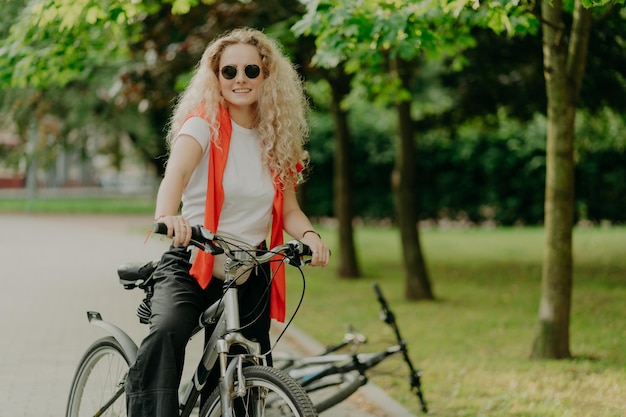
(329, 390)
(269, 393)
(98, 385)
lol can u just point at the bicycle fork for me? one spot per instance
(233, 371)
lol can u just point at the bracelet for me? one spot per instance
(311, 231)
(159, 218)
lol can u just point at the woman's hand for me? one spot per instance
(299, 226)
(321, 252)
(178, 228)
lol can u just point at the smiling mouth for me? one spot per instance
(242, 90)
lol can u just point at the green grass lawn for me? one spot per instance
(473, 342)
(104, 205)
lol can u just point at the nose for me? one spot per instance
(241, 75)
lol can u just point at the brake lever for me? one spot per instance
(299, 253)
(214, 249)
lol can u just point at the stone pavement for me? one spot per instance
(53, 268)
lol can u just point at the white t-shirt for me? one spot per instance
(248, 186)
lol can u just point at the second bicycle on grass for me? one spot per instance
(331, 377)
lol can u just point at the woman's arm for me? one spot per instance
(298, 225)
(184, 157)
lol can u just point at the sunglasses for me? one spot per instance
(230, 71)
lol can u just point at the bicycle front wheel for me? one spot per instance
(269, 392)
(98, 385)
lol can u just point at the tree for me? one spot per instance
(564, 67)
(342, 176)
(342, 179)
(381, 43)
(564, 59)
(66, 55)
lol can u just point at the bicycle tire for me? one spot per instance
(330, 390)
(99, 378)
(269, 393)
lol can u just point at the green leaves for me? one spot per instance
(183, 6)
(599, 3)
(368, 35)
(54, 42)
(503, 17)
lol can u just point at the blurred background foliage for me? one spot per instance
(481, 126)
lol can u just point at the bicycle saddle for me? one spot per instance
(135, 274)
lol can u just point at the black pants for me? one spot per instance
(178, 301)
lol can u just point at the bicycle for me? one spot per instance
(330, 378)
(98, 385)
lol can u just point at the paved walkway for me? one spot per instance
(55, 268)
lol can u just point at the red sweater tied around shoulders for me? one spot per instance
(202, 268)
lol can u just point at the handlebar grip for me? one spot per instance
(377, 290)
(160, 228)
(379, 294)
(306, 250)
(198, 238)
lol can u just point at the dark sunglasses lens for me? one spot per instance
(252, 71)
(229, 72)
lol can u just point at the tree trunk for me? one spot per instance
(32, 166)
(563, 71)
(417, 284)
(343, 197)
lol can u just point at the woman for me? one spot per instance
(236, 155)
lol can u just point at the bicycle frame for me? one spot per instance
(224, 335)
(333, 363)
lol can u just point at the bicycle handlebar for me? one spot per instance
(212, 243)
(389, 318)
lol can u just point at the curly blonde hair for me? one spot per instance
(281, 111)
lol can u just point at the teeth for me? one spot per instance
(242, 90)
